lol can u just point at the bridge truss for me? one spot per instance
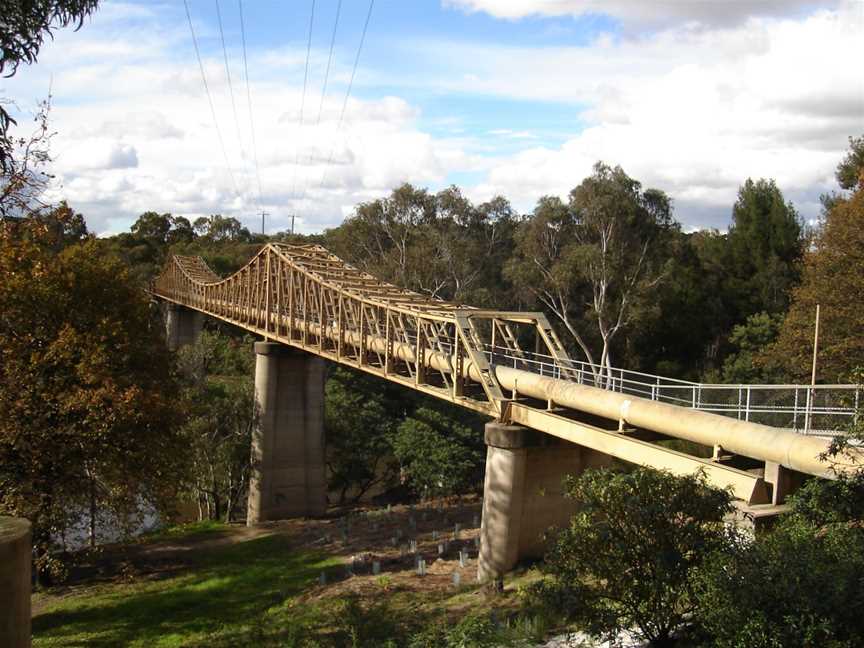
(303, 296)
(307, 298)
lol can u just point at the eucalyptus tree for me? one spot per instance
(593, 261)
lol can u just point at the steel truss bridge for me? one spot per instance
(307, 298)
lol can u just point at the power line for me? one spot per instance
(348, 91)
(326, 79)
(303, 100)
(249, 101)
(230, 86)
(210, 101)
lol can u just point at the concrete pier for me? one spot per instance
(182, 325)
(523, 494)
(16, 553)
(288, 477)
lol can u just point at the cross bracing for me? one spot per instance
(305, 297)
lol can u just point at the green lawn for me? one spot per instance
(232, 592)
(254, 592)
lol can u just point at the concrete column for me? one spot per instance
(523, 495)
(783, 481)
(16, 552)
(182, 325)
(288, 478)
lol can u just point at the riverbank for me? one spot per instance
(221, 585)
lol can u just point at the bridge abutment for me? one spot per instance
(182, 325)
(523, 494)
(288, 478)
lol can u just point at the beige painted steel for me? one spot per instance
(745, 486)
(303, 296)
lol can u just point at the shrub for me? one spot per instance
(625, 560)
(796, 587)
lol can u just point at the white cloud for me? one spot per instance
(134, 132)
(122, 156)
(640, 12)
(693, 113)
(690, 111)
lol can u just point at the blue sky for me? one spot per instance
(510, 97)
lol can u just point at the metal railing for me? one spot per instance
(817, 409)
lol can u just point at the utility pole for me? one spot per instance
(811, 400)
(292, 224)
(263, 214)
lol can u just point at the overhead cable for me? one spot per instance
(231, 87)
(348, 91)
(303, 100)
(326, 79)
(249, 102)
(210, 101)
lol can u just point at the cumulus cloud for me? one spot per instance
(690, 111)
(122, 156)
(636, 12)
(693, 113)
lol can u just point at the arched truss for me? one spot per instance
(303, 296)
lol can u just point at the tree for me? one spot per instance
(88, 415)
(748, 340)
(764, 246)
(220, 403)
(626, 558)
(217, 229)
(23, 160)
(833, 277)
(360, 417)
(850, 168)
(441, 245)
(438, 455)
(23, 29)
(596, 258)
(799, 585)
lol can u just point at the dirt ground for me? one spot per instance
(357, 537)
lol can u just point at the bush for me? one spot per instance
(626, 558)
(802, 584)
(474, 631)
(798, 586)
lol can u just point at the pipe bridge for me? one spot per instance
(304, 297)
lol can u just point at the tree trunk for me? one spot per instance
(92, 514)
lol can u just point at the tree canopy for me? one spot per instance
(87, 412)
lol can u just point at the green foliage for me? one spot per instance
(765, 247)
(850, 169)
(220, 406)
(603, 250)
(748, 340)
(799, 586)
(441, 245)
(438, 456)
(360, 417)
(88, 415)
(472, 631)
(626, 558)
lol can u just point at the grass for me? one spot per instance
(183, 531)
(230, 592)
(263, 592)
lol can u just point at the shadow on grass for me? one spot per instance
(230, 587)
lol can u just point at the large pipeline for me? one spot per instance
(790, 449)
